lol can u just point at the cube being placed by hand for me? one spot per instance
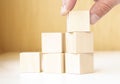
(79, 63)
(52, 42)
(79, 42)
(53, 63)
(78, 21)
(30, 62)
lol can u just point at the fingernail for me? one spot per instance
(64, 11)
(94, 18)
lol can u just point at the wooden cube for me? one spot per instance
(78, 21)
(53, 63)
(52, 42)
(30, 62)
(79, 63)
(79, 42)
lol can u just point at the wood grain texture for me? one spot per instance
(21, 22)
(107, 31)
(0, 45)
(0, 50)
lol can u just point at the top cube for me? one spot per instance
(78, 21)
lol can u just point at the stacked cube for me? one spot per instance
(79, 43)
(53, 52)
(71, 52)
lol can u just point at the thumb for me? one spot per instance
(100, 8)
(67, 6)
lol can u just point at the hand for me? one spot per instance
(99, 9)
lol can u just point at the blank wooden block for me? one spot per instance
(30, 62)
(78, 21)
(53, 63)
(79, 42)
(79, 63)
(52, 42)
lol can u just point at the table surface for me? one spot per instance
(106, 66)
